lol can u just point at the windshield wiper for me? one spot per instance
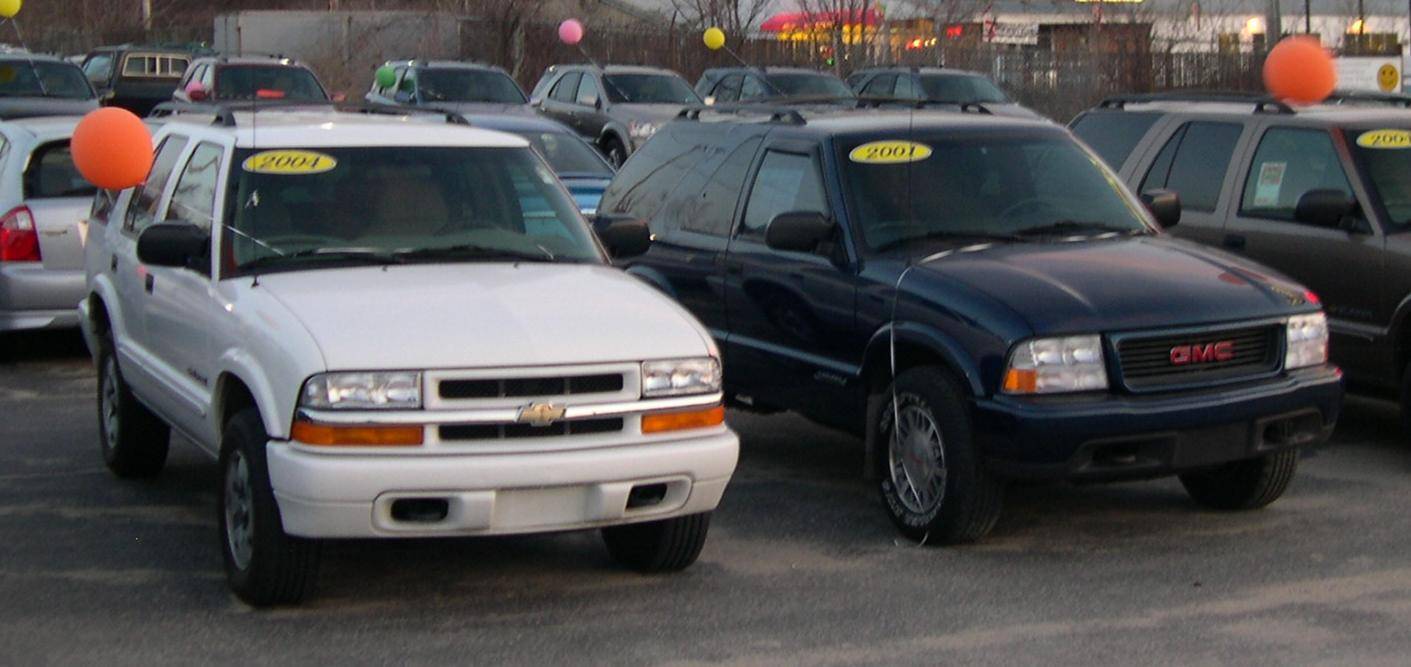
(364, 255)
(477, 251)
(1074, 226)
(979, 235)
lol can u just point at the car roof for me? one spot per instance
(445, 64)
(1238, 105)
(248, 59)
(38, 57)
(44, 128)
(613, 69)
(771, 69)
(835, 121)
(308, 127)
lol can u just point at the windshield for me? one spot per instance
(1017, 187)
(242, 82)
(954, 89)
(810, 85)
(1389, 170)
(468, 85)
(26, 78)
(650, 89)
(567, 154)
(320, 206)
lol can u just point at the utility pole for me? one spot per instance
(1273, 26)
(1308, 17)
(146, 15)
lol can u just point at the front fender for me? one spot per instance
(654, 278)
(935, 341)
(239, 364)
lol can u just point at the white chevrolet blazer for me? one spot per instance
(394, 326)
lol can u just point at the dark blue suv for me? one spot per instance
(980, 299)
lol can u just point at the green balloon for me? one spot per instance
(386, 77)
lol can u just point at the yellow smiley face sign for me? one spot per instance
(289, 163)
(1388, 78)
(890, 152)
(1385, 139)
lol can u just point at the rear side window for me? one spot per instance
(152, 65)
(1193, 163)
(1289, 163)
(194, 199)
(588, 94)
(99, 68)
(881, 86)
(566, 90)
(714, 211)
(654, 172)
(729, 88)
(786, 182)
(51, 174)
(142, 210)
(1114, 135)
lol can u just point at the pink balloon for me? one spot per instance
(571, 32)
(195, 87)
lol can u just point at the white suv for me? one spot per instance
(400, 327)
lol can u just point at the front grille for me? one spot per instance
(525, 387)
(460, 432)
(1146, 361)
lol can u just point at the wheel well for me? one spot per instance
(878, 369)
(98, 315)
(234, 396)
(609, 137)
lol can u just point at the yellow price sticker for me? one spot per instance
(890, 152)
(1386, 139)
(289, 163)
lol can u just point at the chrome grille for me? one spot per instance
(1146, 360)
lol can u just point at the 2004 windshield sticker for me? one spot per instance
(289, 163)
(1398, 139)
(890, 152)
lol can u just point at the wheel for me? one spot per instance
(264, 565)
(134, 440)
(1243, 485)
(616, 152)
(669, 545)
(934, 485)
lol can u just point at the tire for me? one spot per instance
(670, 545)
(615, 152)
(1243, 485)
(133, 440)
(264, 565)
(960, 501)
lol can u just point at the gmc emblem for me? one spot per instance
(1208, 353)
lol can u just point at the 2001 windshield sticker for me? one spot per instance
(289, 163)
(1400, 139)
(890, 152)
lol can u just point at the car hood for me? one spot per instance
(1121, 285)
(27, 107)
(483, 108)
(484, 315)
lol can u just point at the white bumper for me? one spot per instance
(352, 495)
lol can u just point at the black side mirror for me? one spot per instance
(798, 231)
(1164, 205)
(623, 237)
(1323, 208)
(598, 104)
(176, 244)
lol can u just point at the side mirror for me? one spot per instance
(598, 104)
(173, 244)
(798, 231)
(1323, 208)
(1164, 205)
(623, 237)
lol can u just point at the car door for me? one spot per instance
(590, 115)
(1196, 162)
(559, 104)
(790, 314)
(181, 308)
(133, 279)
(1343, 267)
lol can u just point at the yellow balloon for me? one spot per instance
(714, 37)
(8, 8)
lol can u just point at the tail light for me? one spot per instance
(19, 240)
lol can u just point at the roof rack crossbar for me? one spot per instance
(224, 113)
(1262, 103)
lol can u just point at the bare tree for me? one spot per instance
(833, 18)
(735, 17)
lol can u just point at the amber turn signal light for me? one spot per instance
(1021, 381)
(661, 422)
(310, 433)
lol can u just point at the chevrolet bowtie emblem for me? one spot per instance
(540, 414)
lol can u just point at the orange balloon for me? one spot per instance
(112, 148)
(1299, 70)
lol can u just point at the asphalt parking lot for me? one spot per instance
(802, 566)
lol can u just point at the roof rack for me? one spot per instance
(777, 114)
(1369, 97)
(1262, 103)
(223, 114)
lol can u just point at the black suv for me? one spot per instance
(750, 84)
(1322, 194)
(936, 85)
(462, 87)
(982, 300)
(617, 107)
(138, 77)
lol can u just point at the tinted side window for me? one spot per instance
(51, 173)
(1160, 169)
(1289, 163)
(653, 173)
(786, 182)
(880, 86)
(142, 210)
(729, 88)
(752, 89)
(566, 90)
(99, 68)
(588, 94)
(906, 88)
(1196, 170)
(713, 212)
(1113, 135)
(194, 199)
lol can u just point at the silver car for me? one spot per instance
(45, 203)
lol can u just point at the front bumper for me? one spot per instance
(335, 495)
(1117, 437)
(33, 297)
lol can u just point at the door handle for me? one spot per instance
(149, 283)
(1234, 241)
(113, 265)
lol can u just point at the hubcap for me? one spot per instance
(916, 456)
(239, 537)
(109, 407)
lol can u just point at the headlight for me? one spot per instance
(361, 391)
(640, 130)
(1307, 337)
(680, 377)
(1055, 365)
